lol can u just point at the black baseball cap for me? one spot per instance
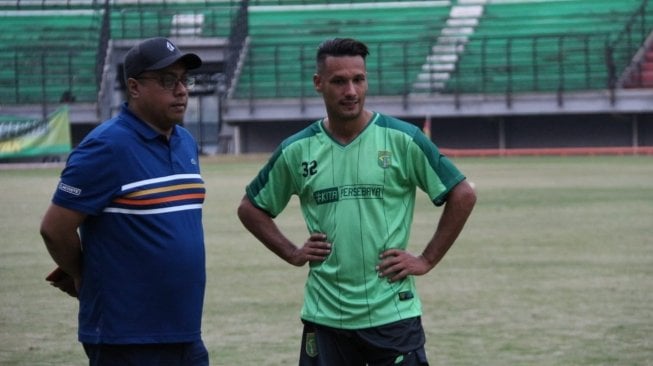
(155, 54)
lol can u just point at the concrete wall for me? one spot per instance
(549, 131)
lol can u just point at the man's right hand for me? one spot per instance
(63, 281)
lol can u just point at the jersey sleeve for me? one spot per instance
(432, 172)
(273, 187)
(87, 183)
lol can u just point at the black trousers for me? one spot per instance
(164, 354)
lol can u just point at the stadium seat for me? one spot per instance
(48, 53)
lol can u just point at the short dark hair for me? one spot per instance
(340, 47)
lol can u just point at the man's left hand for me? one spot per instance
(395, 265)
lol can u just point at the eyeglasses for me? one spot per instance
(169, 81)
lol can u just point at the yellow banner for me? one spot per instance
(28, 137)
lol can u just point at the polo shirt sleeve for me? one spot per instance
(89, 180)
(431, 171)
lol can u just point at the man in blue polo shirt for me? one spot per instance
(125, 223)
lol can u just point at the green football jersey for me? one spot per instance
(362, 196)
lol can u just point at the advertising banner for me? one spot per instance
(22, 137)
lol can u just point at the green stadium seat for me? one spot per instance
(540, 46)
(280, 60)
(48, 53)
(51, 47)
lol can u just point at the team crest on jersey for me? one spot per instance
(385, 159)
(311, 345)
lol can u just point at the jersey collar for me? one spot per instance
(375, 116)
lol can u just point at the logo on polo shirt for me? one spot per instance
(69, 189)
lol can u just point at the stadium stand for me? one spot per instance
(537, 46)
(426, 55)
(52, 51)
(641, 74)
(50, 4)
(417, 46)
(324, 2)
(49, 55)
(280, 59)
(142, 19)
(440, 47)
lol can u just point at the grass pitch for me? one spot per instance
(555, 267)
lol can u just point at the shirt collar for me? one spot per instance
(140, 126)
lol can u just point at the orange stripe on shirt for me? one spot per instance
(153, 201)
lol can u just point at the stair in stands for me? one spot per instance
(441, 62)
(640, 74)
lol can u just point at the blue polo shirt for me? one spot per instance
(142, 242)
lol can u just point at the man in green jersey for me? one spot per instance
(356, 173)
